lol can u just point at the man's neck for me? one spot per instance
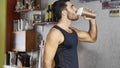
(64, 24)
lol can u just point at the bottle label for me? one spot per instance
(50, 14)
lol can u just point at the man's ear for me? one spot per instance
(64, 12)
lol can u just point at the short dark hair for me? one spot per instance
(57, 8)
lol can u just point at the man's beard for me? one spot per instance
(71, 16)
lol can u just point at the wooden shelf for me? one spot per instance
(27, 10)
(45, 23)
(8, 66)
(22, 31)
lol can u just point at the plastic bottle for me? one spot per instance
(84, 11)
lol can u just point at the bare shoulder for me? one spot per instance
(54, 32)
(55, 35)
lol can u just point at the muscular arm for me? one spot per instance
(89, 36)
(51, 45)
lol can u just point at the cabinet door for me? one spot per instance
(24, 41)
(20, 41)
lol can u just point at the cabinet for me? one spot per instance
(13, 14)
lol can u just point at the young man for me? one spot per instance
(61, 43)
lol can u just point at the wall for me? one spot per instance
(2, 31)
(105, 52)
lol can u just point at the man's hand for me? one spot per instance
(88, 14)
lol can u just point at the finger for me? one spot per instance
(89, 10)
(84, 16)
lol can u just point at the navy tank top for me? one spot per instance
(66, 54)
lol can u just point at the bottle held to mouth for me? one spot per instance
(87, 12)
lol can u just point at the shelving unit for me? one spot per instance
(14, 38)
(13, 14)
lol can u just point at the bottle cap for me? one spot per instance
(79, 12)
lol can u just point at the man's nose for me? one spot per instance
(75, 9)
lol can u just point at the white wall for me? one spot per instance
(105, 52)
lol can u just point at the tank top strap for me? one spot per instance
(63, 31)
(57, 27)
